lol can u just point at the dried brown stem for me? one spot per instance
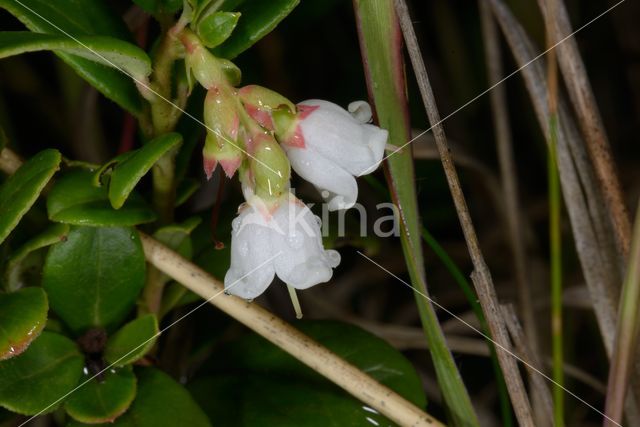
(521, 343)
(591, 126)
(481, 276)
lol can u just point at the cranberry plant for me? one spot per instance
(83, 316)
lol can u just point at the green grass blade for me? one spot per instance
(380, 40)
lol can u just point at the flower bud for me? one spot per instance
(269, 166)
(260, 102)
(223, 144)
(228, 155)
(207, 69)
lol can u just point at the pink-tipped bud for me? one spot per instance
(228, 154)
(260, 102)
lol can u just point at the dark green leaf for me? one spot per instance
(75, 200)
(14, 267)
(37, 379)
(133, 341)
(104, 50)
(20, 190)
(270, 387)
(94, 277)
(186, 188)
(259, 18)
(128, 173)
(82, 18)
(102, 400)
(23, 315)
(160, 402)
(216, 27)
(176, 236)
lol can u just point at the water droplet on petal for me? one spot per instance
(295, 240)
(243, 248)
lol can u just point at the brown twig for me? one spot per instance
(481, 276)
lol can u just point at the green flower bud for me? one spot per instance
(269, 167)
(260, 102)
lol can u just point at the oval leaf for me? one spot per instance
(45, 372)
(270, 387)
(102, 400)
(108, 51)
(133, 341)
(160, 401)
(213, 29)
(23, 315)
(128, 173)
(259, 18)
(94, 277)
(15, 265)
(75, 200)
(20, 190)
(82, 18)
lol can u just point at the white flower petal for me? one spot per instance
(336, 185)
(304, 263)
(333, 132)
(360, 110)
(251, 272)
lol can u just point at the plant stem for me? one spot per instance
(555, 243)
(481, 275)
(624, 353)
(555, 218)
(472, 299)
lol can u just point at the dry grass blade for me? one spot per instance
(583, 202)
(513, 213)
(521, 344)
(575, 173)
(627, 334)
(591, 125)
(481, 276)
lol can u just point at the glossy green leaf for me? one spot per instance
(270, 387)
(14, 267)
(23, 315)
(77, 18)
(36, 380)
(128, 172)
(176, 236)
(160, 401)
(213, 29)
(75, 200)
(382, 49)
(258, 18)
(102, 400)
(108, 51)
(94, 277)
(132, 341)
(20, 191)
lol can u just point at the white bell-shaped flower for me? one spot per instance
(284, 239)
(329, 146)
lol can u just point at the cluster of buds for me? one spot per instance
(262, 135)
